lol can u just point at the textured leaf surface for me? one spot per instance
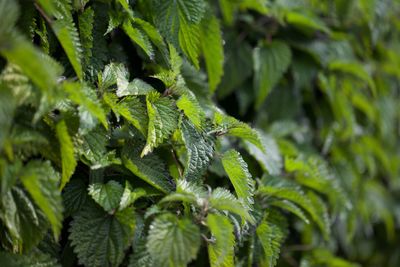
(222, 199)
(100, 239)
(221, 252)
(33, 259)
(107, 195)
(172, 241)
(67, 34)
(238, 173)
(25, 223)
(163, 120)
(239, 129)
(192, 109)
(270, 63)
(68, 160)
(41, 181)
(271, 233)
(149, 168)
(200, 149)
(283, 189)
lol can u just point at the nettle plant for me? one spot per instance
(123, 142)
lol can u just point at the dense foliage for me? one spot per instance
(201, 133)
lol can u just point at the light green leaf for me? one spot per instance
(271, 233)
(129, 196)
(355, 69)
(305, 21)
(107, 195)
(270, 63)
(237, 128)
(238, 173)
(100, 239)
(41, 181)
(68, 160)
(163, 120)
(222, 199)
(284, 189)
(189, 41)
(24, 223)
(172, 241)
(135, 87)
(213, 51)
(41, 69)
(67, 34)
(139, 37)
(221, 252)
(192, 109)
(82, 95)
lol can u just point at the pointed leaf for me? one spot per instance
(238, 173)
(100, 239)
(107, 195)
(221, 252)
(68, 160)
(270, 63)
(172, 241)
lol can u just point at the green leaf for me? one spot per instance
(222, 199)
(189, 41)
(67, 34)
(68, 160)
(33, 259)
(172, 241)
(100, 239)
(283, 189)
(7, 108)
(25, 223)
(355, 69)
(191, 108)
(270, 63)
(163, 120)
(135, 87)
(189, 192)
(237, 128)
(179, 21)
(86, 21)
(41, 69)
(221, 252)
(82, 95)
(129, 196)
(238, 173)
(305, 21)
(139, 37)
(130, 108)
(213, 51)
(269, 158)
(41, 181)
(107, 195)
(74, 195)
(149, 168)
(200, 150)
(271, 232)
(291, 207)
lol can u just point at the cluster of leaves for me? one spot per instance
(123, 142)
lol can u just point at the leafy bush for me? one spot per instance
(123, 139)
